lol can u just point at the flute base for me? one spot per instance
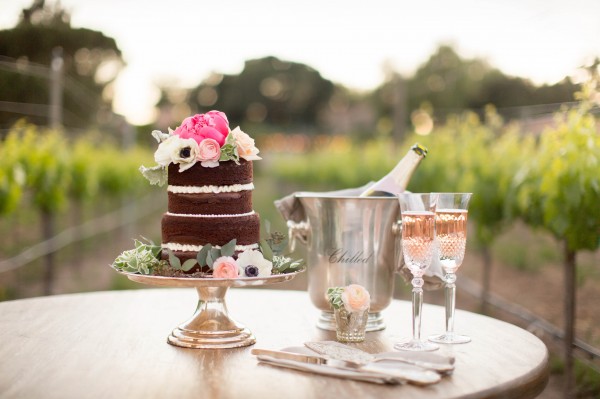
(415, 345)
(450, 338)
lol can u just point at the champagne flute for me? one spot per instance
(451, 239)
(418, 235)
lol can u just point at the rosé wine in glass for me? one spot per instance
(418, 244)
(451, 238)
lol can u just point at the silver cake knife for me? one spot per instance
(420, 377)
(338, 351)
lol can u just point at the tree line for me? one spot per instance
(269, 91)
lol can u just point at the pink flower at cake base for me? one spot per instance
(209, 153)
(356, 298)
(211, 125)
(177, 150)
(225, 267)
(245, 145)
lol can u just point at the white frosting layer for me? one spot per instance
(173, 246)
(235, 188)
(190, 215)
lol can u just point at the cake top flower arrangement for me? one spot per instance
(352, 298)
(204, 138)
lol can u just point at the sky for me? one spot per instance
(349, 42)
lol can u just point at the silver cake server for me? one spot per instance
(412, 375)
(338, 351)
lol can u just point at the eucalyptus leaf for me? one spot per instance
(229, 248)
(215, 253)
(174, 260)
(266, 250)
(209, 260)
(201, 257)
(188, 265)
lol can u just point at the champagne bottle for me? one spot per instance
(396, 181)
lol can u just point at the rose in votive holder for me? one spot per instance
(351, 310)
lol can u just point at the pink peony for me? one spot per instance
(209, 153)
(356, 298)
(211, 125)
(225, 267)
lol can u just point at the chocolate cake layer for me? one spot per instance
(213, 230)
(226, 174)
(211, 204)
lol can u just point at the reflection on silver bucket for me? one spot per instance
(350, 240)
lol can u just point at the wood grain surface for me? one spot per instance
(113, 345)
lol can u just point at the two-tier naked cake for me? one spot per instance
(210, 228)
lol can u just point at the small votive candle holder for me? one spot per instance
(350, 326)
(351, 311)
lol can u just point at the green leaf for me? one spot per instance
(266, 250)
(267, 228)
(188, 265)
(174, 260)
(209, 260)
(201, 257)
(229, 248)
(215, 253)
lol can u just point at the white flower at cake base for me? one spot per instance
(178, 151)
(252, 263)
(225, 267)
(209, 153)
(245, 145)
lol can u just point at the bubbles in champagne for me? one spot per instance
(418, 232)
(451, 236)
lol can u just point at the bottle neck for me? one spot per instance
(402, 172)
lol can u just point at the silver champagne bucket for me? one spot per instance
(349, 240)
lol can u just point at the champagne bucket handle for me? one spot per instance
(297, 231)
(397, 232)
(397, 227)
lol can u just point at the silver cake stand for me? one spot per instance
(210, 327)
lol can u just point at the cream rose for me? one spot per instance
(178, 151)
(356, 298)
(245, 145)
(209, 152)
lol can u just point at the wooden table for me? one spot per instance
(113, 345)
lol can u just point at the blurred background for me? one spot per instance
(505, 95)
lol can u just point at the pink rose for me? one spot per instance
(225, 267)
(356, 298)
(211, 125)
(209, 153)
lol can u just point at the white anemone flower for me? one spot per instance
(178, 151)
(254, 258)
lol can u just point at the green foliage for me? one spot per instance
(334, 296)
(559, 188)
(142, 259)
(54, 170)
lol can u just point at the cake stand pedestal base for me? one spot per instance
(211, 327)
